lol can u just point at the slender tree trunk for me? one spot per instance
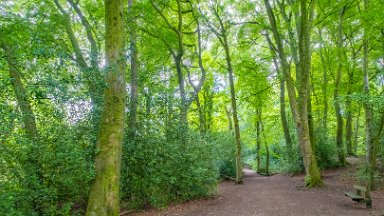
(348, 107)
(148, 104)
(104, 193)
(132, 122)
(357, 126)
(370, 148)
(239, 166)
(267, 159)
(201, 116)
(339, 117)
(324, 86)
(283, 116)
(258, 139)
(20, 92)
(230, 124)
(208, 107)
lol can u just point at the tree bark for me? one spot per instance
(132, 121)
(283, 116)
(313, 174)
(325, 86)
(258, 139)
(299, 108)
(104, 193)
(356, 132)
(370, 148)
(339, 117)
(239, 166)
(267, 159)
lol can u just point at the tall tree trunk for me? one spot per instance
(370, 148)
(267, 159)
(339, 117)
(20, 92)
(104, 193)
(283, 116)
(348, 107)
(310, 163)
(324, 86)
(132, 122)
(258, 139)
(299, 108)
(239, 166)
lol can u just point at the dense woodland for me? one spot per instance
(108, 105)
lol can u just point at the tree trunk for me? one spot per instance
(104, 193)
(230, 124)
(132, 122)
(201, 116)
(357, 126)
(313, 174)
(324, 88)
(299, 108)
(283, 116)
(339, 117)
(208, 107)
(258, 139)
(20, 92)
(239, 166)
(284, 120)
(348, 107)
(370, 148)
(266, 146)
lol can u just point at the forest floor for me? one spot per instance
(280, 195)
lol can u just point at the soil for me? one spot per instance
(279, 195)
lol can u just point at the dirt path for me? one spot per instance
(278, 195)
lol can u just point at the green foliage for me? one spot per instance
(292, 163)
(46, 176)
(157, 171)
(326, 151)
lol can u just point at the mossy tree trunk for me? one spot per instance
(299, 105)
(370, 142)
(339, 117)
(104, 194)
(313, 174)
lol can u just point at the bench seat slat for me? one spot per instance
(354, 196)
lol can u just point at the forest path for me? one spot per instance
(278, 195)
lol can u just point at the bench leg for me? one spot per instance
(368, 204)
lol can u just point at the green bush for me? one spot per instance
(157, 171)
(326, 151)
(45, 176)
(292, 163)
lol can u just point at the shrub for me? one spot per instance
(157, 171)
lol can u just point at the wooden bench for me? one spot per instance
(361, 195)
